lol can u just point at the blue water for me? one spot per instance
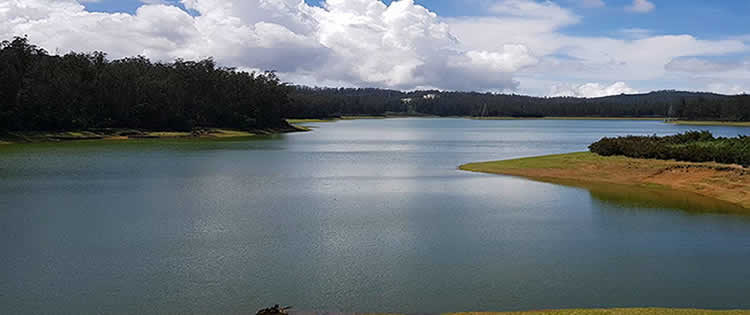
(365, 215)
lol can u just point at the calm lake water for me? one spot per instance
(366, 215)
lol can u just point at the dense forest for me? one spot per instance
(40, 91)
(324, 102)
(693, 146)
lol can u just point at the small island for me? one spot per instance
(723, 181)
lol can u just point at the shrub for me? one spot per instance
(693, 146)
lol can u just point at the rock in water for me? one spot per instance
(274, 310)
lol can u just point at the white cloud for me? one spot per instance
(697, 65)
(532, 10)
(364, 42)
(640, 6)
(636, 33)
(591, 90)
(728, 89)
(368, 43)
(591, 3)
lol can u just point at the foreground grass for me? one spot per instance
(620, 311)
(711, 123)
(728, 183)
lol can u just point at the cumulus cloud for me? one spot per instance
(518, 45)
(697, 65)
(364, 42)
(640, 6)
(591, 90)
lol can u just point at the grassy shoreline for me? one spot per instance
(711, 123)
(728, 183)
(121, 134)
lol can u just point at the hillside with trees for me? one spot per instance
(76, 91)
(310, 102)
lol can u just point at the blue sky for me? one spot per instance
(701, 18)
(537, 47)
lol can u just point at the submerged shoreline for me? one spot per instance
(729, 183)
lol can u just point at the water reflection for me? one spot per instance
(367, 216)
(628, 198)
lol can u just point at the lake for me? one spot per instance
(361, 215)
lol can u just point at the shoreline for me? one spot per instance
(710, 123)
(566, 118)
(123, 134)
(665, 120)
(616, 311)
(726, 183)
(355, 117)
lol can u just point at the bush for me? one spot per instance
(693, 146)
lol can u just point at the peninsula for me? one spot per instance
(730, 183)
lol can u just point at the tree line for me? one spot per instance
(40, 91)
(693, 146)
(308, 102)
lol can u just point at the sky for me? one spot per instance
(585, 48)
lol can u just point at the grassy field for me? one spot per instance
(619, 311)
(719, 181)
(711, 123)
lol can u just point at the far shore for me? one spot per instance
(566, 118)
(112, 134)
(663, 119)
(358, 117)
(711, 123)
(334, 119)
(728, 183)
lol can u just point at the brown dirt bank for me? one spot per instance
(729, 183)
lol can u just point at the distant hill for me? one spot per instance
(327, 102)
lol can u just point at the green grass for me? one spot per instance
(620, 311)
(168, 134)
(722, 182)
(114, 135)
(558, 161)
(226, 133)
(711, 123)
